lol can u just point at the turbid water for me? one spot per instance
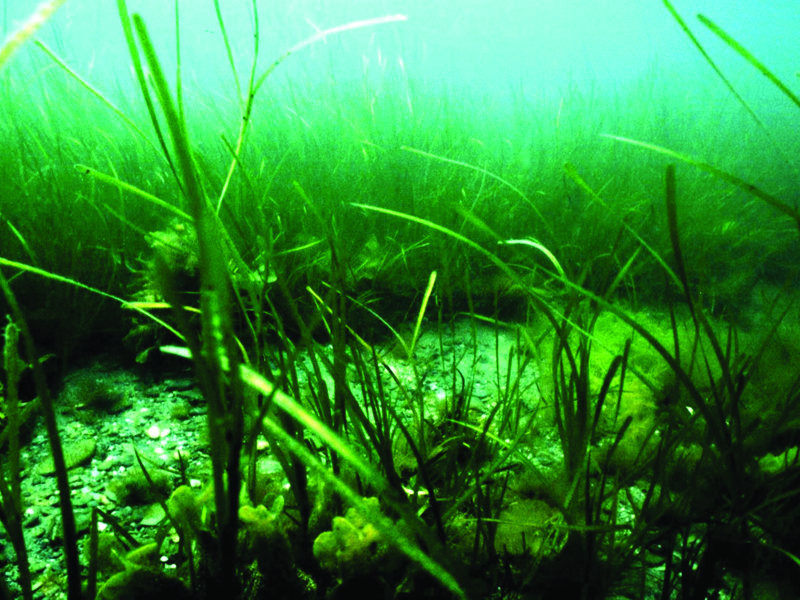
(523, 273)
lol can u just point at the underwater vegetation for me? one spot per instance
(637, 437)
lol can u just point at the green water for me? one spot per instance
(501, 163)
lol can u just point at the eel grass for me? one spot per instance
(225, 374)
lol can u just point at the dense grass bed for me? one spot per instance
(403, 295)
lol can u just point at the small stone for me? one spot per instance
(81, 499)
(153, 515)
(37, 566)
(31, 521)
(154, 432)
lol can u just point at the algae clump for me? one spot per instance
(75, 454)
(355, 546)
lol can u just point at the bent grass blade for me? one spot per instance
(716, 172)
(28, 29)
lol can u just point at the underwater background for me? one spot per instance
(515, 90)
(480, 299)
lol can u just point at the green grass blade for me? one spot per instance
(287, 404)
(95, 92)
(127, 187)
(255, 85)
(11, 491)
(786, 552)
(719, 173)
(59, 278)
(672, 220)
(440, 229)
(68, 527)
(483, 171)
(227, 41)
(28, 250)
(621, 274)
(28, 29)
(178, 81)
(220, 356)
(247, 105)
(140, 76)
(541, 248)
(321, 35)
(573, 174)
(745, 54)
(711, 62)
(717, 425)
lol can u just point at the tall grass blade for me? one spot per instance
(28, 250)
(28, 29)
(719, 173)
(95, 92)
(127, 187)
(178, 80)
(12, 507)
(745, 54)
(248, 105)
(672, 219)
(710, 61)
(255, 85)
(220, 357)
(418, 325)
(54, 277)
(505, 182)
(124, 18)
(715, 421)
(228, 49)
(287, 404)
(571, 172)
(65, 502)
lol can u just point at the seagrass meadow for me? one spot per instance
(399, 299)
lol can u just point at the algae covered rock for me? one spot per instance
(531, 525)
(109, 553)
(187, 510)
(132, 488)
(137, 583)
(90, 392)
(772, 464)
(266, 536)
(139, 575)
(75, 453)
(265, 540)
(355, 546)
